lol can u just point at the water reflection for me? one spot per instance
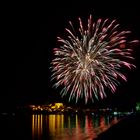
(37, 126)
(55, 124)
(69, 127)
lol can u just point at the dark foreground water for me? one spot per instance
(126, 128)
(55, 126)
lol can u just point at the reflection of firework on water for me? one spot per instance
(90, 60)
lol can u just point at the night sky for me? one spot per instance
(30, 33)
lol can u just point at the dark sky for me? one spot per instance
(29, 36)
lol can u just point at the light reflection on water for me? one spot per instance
(69, 127)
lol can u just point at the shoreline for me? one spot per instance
(128, 127)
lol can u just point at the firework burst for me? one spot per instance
(90, 60)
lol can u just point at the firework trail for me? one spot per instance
(90, 60)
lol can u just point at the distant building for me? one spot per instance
(59, 105)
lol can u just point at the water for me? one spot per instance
(56, 126)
